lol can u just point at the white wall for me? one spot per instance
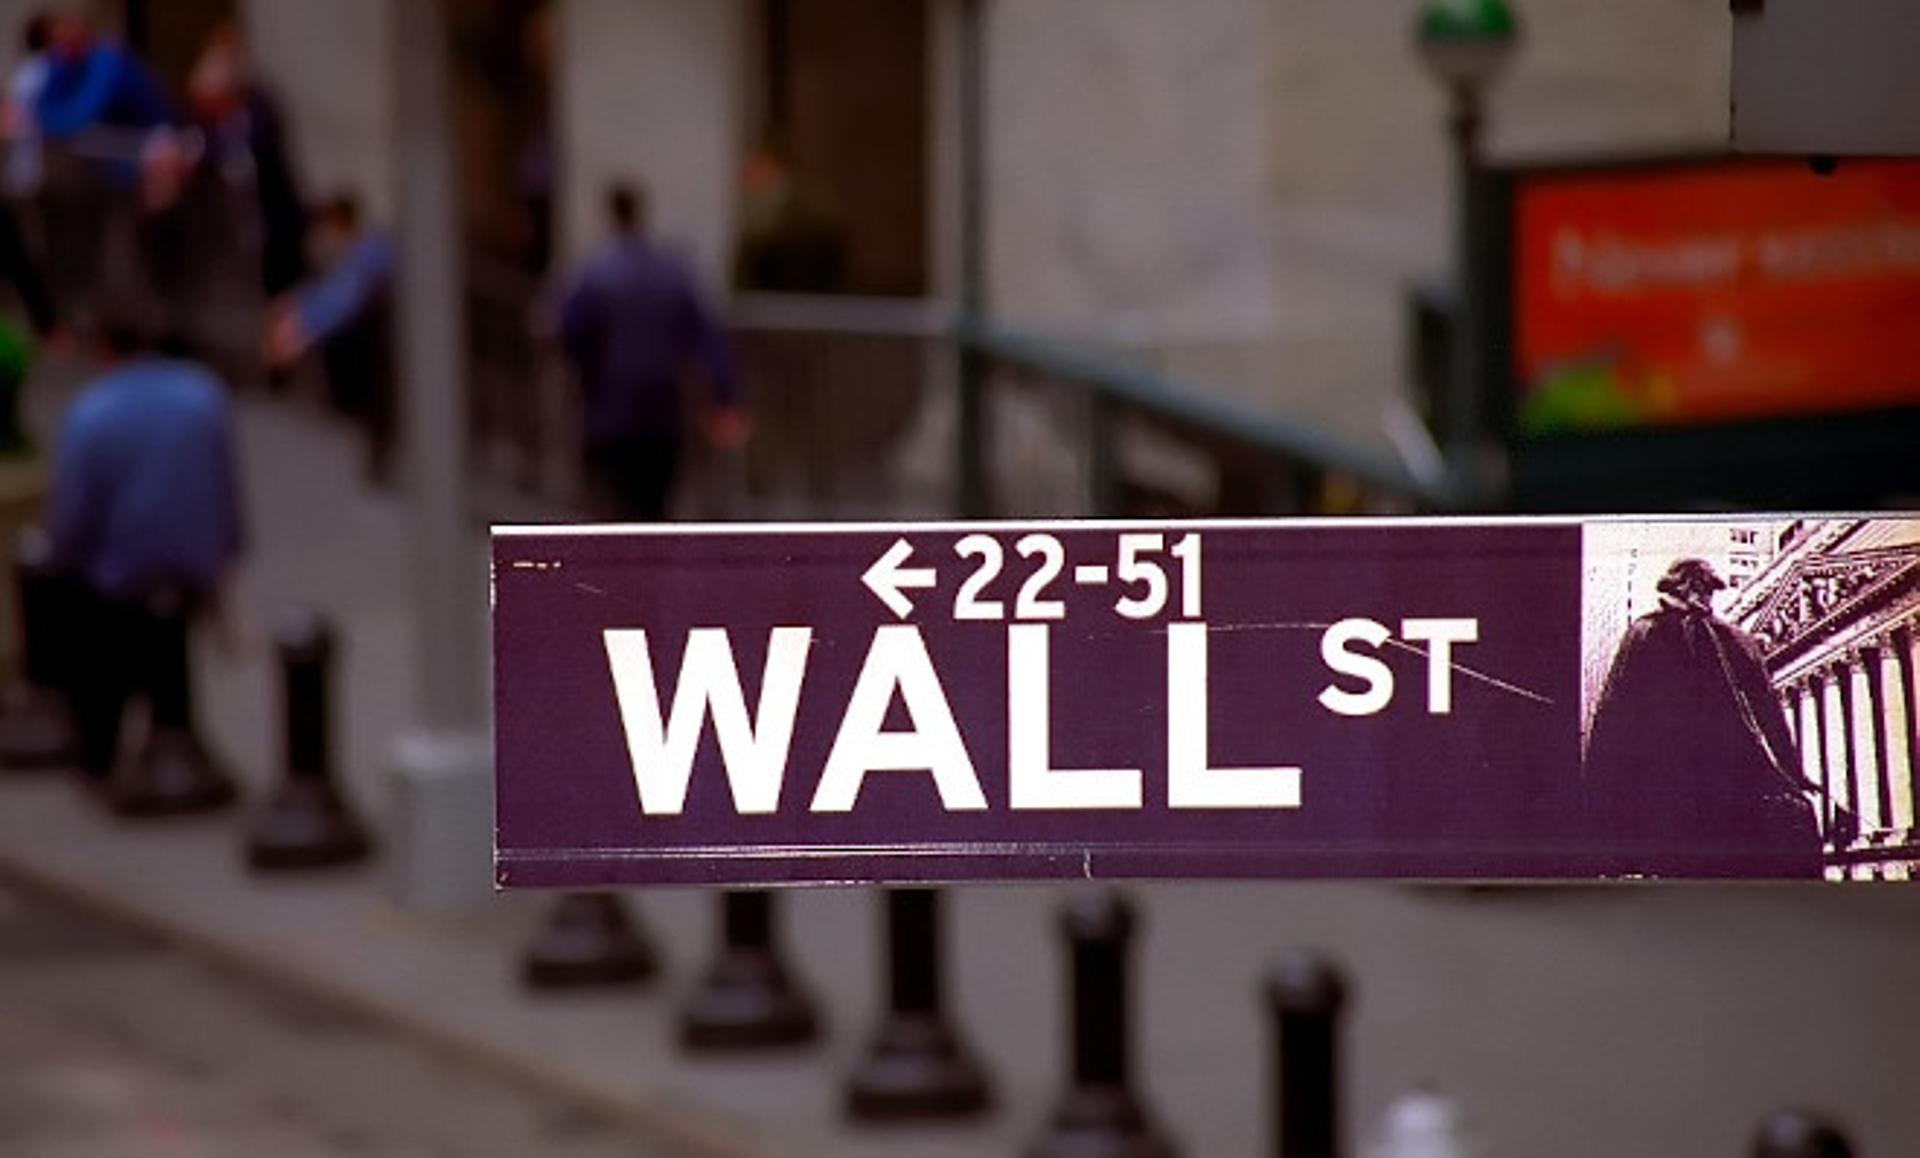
(1358, 122)
(331, 66)
(1242, 189)
(653, 90)
(648, 89)
(1361, 197)
(1128, 166)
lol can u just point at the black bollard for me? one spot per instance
(1305, 994)
(590, 941)
(306, 823)
(1100, 1116)
(171, 773)
(748, 999)
(916, 1068)
(36, 729)
(1797, 1134)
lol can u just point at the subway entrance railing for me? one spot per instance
(867, 408)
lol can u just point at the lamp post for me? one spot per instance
(442, 814)
(1466, 45)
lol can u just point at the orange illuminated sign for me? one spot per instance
(1706, 293)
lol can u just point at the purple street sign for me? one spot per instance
(1486, 699)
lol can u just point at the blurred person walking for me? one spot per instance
(533, 176)
(145, 520)
(347, 313)
(24, 167)
(20, 270)
(247, 139)
(792, 236)
(634, 326)
(114, 158)
(25, 163)
(19, 267)
(93, 83)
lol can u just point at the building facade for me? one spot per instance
(1837, 611)
(1239, 190)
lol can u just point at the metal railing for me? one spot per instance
(194, 260)
(1136, 426)
(860, 412)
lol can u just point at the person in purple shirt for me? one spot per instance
(144, 519)
(634, 326)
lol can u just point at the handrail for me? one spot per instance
(843, 315)
(489, 276)
(1186, 406)
(1200, 411)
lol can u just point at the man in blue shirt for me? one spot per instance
(96, 84)
(115, 157)
(634, 325)
(347, 314)
(145, 520)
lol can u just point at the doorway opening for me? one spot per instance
(836, 186)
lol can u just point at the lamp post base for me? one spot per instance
(589, 942)
(747, 1002)
(442, 822)
(171, 775)
(916, 1070)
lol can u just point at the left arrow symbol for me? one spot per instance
(887, 578)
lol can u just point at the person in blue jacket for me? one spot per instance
(114, 154)
(92, 83)
(347, 315)
(145, 521)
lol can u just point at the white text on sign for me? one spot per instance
(1154, 580)
(1145, 569)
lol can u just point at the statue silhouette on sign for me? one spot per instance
(1690, 767)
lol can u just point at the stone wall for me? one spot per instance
(1240, 190)
(646, 89)
(331, 66)
(1128, 150)
(1361, 197)
(1357, 122)
(1237, 189)
(653, 90)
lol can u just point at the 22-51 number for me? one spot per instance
(1140, 569)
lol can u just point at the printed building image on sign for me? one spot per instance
(1507, 699)
(1713, 292)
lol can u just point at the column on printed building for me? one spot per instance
(1836, 611)
(1865, 771)
(1906, 652)
(1896, 732)
(1833, 729)
(1842, 719)
(1803, 701)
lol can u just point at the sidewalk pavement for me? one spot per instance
(1569, 1022)
(118, 1047)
